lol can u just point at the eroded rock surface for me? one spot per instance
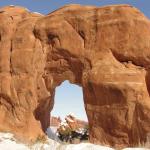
(106, 50)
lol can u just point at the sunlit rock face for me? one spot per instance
(106, 50)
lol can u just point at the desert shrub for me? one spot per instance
(41, 139)
(71, 135)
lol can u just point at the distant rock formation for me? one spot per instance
(72, 122)
(106, 50)
(75, 123)
(70, 119)
(55, 121)
(72, 130)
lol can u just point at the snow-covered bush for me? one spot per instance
(72, 129)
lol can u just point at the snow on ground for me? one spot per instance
(86, 146)
(8, 142)
(136, 149)
(52, 133)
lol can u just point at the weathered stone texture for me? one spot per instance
(106, 50)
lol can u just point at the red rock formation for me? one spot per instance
(75, 123)
(72, 122)
(55, 121)
(106, 50)
(82, 124)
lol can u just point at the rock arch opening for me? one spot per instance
(68, 114)
(69, 99)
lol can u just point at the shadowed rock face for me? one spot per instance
(105, 50)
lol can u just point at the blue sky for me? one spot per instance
(46, 6)
(68, 97)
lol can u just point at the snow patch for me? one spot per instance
(63, 124)
(37, 13)
(136, 149)
(86, 146)
(52, 133)
(8, 142)
(72, 115)
(27, 9)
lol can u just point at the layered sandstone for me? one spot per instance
(106, 50)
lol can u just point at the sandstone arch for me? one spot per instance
(105, 50)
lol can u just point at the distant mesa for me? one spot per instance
(55, 121)
(70, 119)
